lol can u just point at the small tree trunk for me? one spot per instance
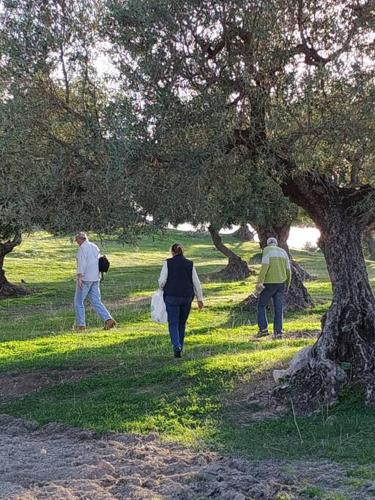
(8, 289)
(370, 243)
(243, 233)
(302, 273)
(297, 297)
(237, 268)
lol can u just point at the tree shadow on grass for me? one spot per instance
(47, 322)
(120, 283)
(50, 309)
(142, 389)
(241, 316)
(128, 349)
(135, 385)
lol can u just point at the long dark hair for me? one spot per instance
(177, 249)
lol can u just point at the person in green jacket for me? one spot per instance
(273, 280)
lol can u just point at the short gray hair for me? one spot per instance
(81, 235)
(272, 241)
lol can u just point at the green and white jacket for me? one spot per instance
(275, 266)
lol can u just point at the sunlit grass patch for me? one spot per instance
(128, 378)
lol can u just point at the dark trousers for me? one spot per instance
(276, 292)
(178, 309)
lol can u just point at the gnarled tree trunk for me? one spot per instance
(237, 268)
(345, 349)
(8, 289)
(243, 233)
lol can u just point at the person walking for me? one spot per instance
(179, 281)
(88, 284)
(273, 280)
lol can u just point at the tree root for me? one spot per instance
(312, 381)
(9, 290)
(236, 270)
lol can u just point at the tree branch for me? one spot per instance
(218, 242)
(312, 56)
(206, 47)
(360, 204)
(319, 195)
(8, 246)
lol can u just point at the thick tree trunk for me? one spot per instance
(370, 243)
(280, 232)
(243, 233)
(237, 268)
(345, 350)
(8, 289)
(298, 297)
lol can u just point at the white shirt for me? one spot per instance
(88, 261)
(196, 283)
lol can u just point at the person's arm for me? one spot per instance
(263, 272)
(197, 288)
(263, 269)
(163, 276)
(81, 265)
(288, 273)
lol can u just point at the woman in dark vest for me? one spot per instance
(180, 282)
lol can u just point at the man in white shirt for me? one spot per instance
(88, 283)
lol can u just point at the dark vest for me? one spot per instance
(180, 277)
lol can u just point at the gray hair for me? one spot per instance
(272, 241)
(81, 235)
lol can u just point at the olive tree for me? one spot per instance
(302, 72)
(58, 156)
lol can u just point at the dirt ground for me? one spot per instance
(57, 462)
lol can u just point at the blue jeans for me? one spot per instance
(276, 292)
(91, 290)
(178, 309)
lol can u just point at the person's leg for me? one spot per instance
(96, 301)
(173, 312)
(79, 303)
(184, 314)
(263, 300)
(278, 299)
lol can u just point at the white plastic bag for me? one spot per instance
(158, 309)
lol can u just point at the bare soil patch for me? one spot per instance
(16, 385)
(254, 400)
(55, 462)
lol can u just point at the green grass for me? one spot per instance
(130, 382)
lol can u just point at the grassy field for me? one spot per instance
(127, 379)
